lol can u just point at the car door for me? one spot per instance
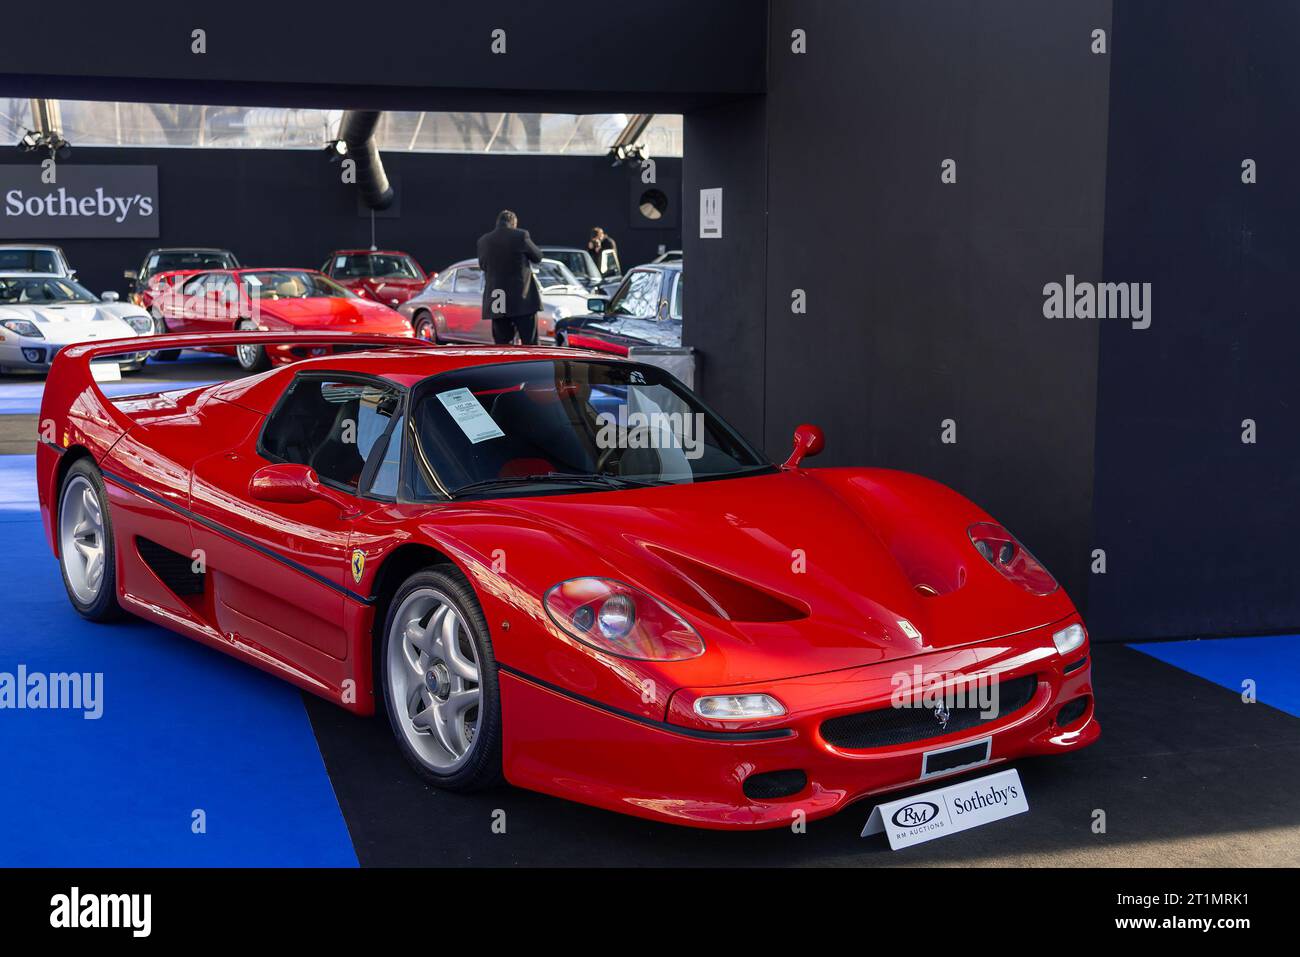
(467, 306)
(282, 573)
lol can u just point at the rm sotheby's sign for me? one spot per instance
(923, 817)
(87, 202)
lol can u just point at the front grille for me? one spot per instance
(889, 726)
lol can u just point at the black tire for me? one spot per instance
(482, 767)
(160, 329)
(104, 606)
(251, 358)
(423, 326)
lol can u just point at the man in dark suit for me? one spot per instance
(511, 297)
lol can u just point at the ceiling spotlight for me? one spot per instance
(53, 143)
(630, 153)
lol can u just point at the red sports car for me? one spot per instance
(384, 275)
(268, 300)
(561, 569)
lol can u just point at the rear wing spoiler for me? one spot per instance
(90, 351)
(75, 408)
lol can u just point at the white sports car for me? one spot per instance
(40, 314)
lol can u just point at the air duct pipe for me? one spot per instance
(357, 130)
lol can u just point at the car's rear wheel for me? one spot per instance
(422, 323)
(87, 553)
(439, 681)
(251, 358)
(160, 329)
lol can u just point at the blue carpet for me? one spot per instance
(1273, 663)
(183, 728)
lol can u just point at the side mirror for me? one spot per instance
(109, 296)
(597, 304)
(130, 274)
(808, 441)
(292, 484)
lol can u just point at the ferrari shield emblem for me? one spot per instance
(909, 629)
(358, 564)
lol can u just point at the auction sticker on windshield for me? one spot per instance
(958, 807)
(470, 415)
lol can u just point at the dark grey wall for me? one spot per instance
(288, 207)
(924, 299)
(1200, 529)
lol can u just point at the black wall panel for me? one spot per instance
(1200, 528)
(725, 297)
(287, 207)
(925, 299)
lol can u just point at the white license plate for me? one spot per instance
(958, 757)
(106, 371)
(948, 810)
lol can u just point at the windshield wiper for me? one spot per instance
(558, 478)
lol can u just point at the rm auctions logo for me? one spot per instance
(915, 814)
(61, 202)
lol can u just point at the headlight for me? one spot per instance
(738, 707)
(1069, 639)
(21, 327)
(1001, 550)
(617, 618)
(143, 325)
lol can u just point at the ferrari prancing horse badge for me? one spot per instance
(358, 564)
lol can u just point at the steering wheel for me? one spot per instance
(613, 454)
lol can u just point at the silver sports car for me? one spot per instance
(40, 314)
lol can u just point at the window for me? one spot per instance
(469, 279)
(675, 311)
(639, 296)
(570, 425)
(348, 430)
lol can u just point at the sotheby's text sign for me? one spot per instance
(84, 202)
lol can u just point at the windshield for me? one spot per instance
(273, 284)
(551, 272)
(192, 259)
(575, 260)
(22, 291)
(569, 425)
(29, 260)
(377, 265)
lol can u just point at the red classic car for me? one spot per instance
(267, 300)
(384, 275)
(561, 569)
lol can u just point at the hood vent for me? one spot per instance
(714, 592)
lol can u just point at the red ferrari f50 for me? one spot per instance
(561, 569)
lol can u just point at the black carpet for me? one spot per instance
(1179, 758)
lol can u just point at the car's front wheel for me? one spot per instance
(87, 553)
(160, 329)
(439, 681)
